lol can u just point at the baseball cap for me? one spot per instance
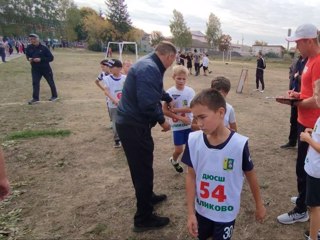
(114, 63)
(105, 62)
(305, 31)
(33, 35)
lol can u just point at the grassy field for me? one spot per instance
(68, 182)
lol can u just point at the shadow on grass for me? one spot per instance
(37, 133)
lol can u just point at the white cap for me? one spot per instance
(305, 31)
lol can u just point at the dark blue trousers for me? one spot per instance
(37, 74)
(138, 146)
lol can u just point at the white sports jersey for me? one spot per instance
(229, 117)
(181, 99)
(219, 180)
(115, 86)
(312, 162)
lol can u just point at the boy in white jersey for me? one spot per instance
(105, 71)
(180, 115)
(223, 85)
(312, 168)
(113, 89)
(217, 158)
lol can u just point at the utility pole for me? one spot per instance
(289, 34)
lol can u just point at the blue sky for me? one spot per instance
(247, 21)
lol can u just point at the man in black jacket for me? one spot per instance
(138, 111)
(261, 65)
(39, 57)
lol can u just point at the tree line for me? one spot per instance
(62, 19)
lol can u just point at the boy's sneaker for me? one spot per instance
(33, 101)
(261, 91)
(152, 223)
(53, 99)
(293, 217)
(176, 165)
(293, 200)
(117, 144)
(307, 235)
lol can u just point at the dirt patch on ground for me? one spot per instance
(79, 187)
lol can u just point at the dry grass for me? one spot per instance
(79, 186)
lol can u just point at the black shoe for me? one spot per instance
(155, 199)
(307, 234)
(33, 101)
(288, 145)
(152, 223)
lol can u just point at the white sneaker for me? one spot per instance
(293, 199)
(293, 217)
(261, 91)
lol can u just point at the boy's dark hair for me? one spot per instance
(211, 98)
(221, 83)
(104, 62)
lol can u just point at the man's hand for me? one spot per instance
(165, 126)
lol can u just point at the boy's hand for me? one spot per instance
(165, 126)
(260, 213)
(193, 225)
(306, 135)
(185, 120)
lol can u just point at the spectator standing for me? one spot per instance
(261, 65)
(39, 57)
(306, 38)
(2, 49)
(295, 73)
(196, 59)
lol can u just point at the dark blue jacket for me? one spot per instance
(41, 52)
(142, 93)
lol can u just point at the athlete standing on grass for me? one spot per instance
(217, 160)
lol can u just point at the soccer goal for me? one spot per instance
(120, 47)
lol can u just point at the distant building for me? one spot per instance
(197, 35)
(276, 49)
(241, 49)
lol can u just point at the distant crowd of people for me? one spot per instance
(10, 45)
(198, 60)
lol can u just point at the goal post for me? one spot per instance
(120, 47)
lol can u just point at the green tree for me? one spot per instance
(224, 42)
(118, 16)
(213, 32)
(155, 38)
(181, 34)
(20, 17)
(73, 24)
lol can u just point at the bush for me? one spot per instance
(271, 55)
(95, 47)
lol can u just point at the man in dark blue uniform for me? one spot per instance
(39, 57)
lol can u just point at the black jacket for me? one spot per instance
(142, 93)
(41, 52)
